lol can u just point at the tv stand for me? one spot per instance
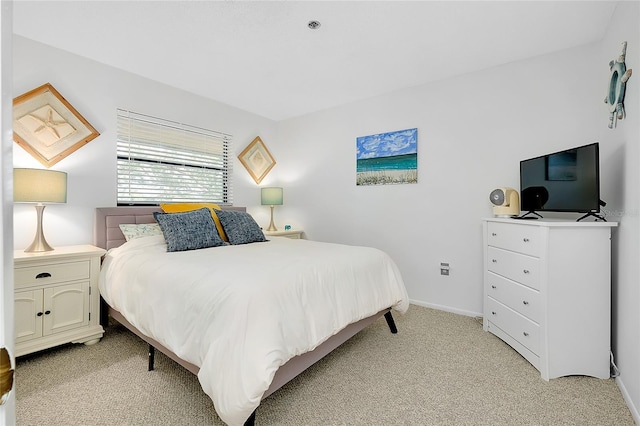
(524, 216)
(596, 215)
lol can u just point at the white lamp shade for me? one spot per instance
(271, 196)
(39, 186)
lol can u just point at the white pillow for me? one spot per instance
(133, 231)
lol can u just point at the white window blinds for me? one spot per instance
(164, 161)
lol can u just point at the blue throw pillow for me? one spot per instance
(188, 230)
(240, 227)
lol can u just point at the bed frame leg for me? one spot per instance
(251, 420)
(152, 355)
(390, 322)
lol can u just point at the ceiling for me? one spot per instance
(260, 56)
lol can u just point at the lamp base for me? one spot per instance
(272, 226)
(39, 243)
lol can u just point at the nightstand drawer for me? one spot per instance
(517, 267)
(521, 238)
(52, 273)
(525, 331)
(521, 299)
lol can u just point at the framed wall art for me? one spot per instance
(47, 126)
(387, 158)
(257, 159)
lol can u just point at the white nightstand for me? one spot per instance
(56, 297)
(294, 234)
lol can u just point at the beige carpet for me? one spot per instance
(440, 369)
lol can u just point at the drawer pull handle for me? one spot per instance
(43, 275)
(494, 260)
(493, 312)
(524, 302)
(525, 334)
(493, 234)
(526, 240)
(493, 286)
(526, 271)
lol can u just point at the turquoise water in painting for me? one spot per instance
(395, 162)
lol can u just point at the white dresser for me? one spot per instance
(547, 292)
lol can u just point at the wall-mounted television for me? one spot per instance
(563, 181)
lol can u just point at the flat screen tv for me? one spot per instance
(564, 181)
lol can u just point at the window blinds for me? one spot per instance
(165, 161)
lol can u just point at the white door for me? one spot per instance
(7, 411)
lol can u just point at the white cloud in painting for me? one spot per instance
(387, 144)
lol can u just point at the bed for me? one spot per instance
(287, 303)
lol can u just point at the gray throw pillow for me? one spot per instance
(240, 227)
(190, 230)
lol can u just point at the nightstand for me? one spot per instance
(294, 234)
(57, 299)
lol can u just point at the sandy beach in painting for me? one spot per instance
(386, 177)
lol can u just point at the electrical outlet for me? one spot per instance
(444, 268)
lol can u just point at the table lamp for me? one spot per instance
(271, 197)
(39, 186)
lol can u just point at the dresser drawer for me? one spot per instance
(525, 331)
(517, 267)
(51, 273)
(522, 299)
(521, 238)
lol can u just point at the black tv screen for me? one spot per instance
(565, 181)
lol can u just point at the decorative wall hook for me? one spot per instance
(617, 85)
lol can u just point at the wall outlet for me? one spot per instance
(444, 268)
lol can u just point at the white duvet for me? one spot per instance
(240, 312)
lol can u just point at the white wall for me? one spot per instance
(96, 91)
(7, 337)
(472, 132)
(624, 145)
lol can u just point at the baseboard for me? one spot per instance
(446, 308)
(627, 399)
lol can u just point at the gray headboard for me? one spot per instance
(106, 229)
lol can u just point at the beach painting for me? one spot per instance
(387, 158)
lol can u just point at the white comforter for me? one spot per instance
(240, 312)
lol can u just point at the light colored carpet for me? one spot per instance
(440, 369)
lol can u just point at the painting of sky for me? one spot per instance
(387, 158)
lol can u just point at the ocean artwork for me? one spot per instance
(387, 158)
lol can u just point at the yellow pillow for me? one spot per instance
(186, 207)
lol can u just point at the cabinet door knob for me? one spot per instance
(493, 286)
(525, 334)
(39, 314)
(524, 302)
(43, 275)
(494, 260)
(47, 312)
(493, 234)
(493, 312)
(526, 240)
(526, 271)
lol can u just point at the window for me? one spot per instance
(164, 161)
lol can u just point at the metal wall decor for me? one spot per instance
(617, 85)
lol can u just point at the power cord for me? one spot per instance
(614, 369)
